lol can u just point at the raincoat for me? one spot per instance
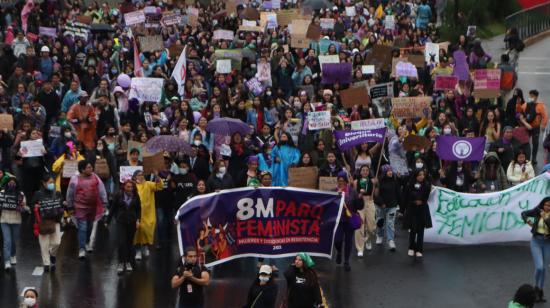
(286, 156)
(146, 231)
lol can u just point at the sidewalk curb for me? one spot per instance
(537, 38)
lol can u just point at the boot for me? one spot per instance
(541, 296)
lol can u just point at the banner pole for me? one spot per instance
(379, 161)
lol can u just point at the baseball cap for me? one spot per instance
(265, 269)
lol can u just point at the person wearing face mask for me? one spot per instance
(30, 298)
(220, 178)
(191, 278)
(69, 154)
(183, 184)
(263, 291)
(492, 176)
(198, 165)
(105, 164)
(12, 205)
(126, 208)
(57, 147)
(537, 116)
(48, 211)
(457, 176)
(417, 213)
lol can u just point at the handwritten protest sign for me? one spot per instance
(223, 35)
(303, 177)
(268, 20)
(171, 18)
(263, 72)
(235, 55)
(153, 163)
(6, 121)
(327, 23)
(389, 22)
(487, 83)
(223, 66)
(150, 43)
(146, 89)
(463, 218)
(328, 183)
(337, 73)
(355, 96)
(443, 83)
(367, 69)
(32, 148)
(70, 168)
(318, 120)
(126, 172)
(368, 124)
(411, 107)
(134, 18)
(406, 69)
(298, 36)
(381, 90)
(47, 31)
(255, 86)
(431, 53)
(350, 11)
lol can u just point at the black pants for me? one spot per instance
(344, 235)
(416, 240)
(535, 136)
(125, 238)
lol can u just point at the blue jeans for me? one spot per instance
(386, 218)
(540, 249)
(10, 233)
(84, 232)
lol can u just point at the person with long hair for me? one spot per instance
(490, 128)
(520, 169)
(364, 185)
(13, 204)
(386, 198)
(302, 283)
(417, 212)
(538, 219)
(284, 155)
(126, 208)
(525, 297)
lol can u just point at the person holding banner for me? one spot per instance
(417, 212)
(48, 211)
(13, 204)
(538, 219)
(348, 221)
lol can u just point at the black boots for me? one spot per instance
(540, 295)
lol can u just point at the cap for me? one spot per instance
(265, 269)
(44, 49)
(84, 94)
(118, 89)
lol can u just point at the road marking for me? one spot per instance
(38, 271)
(535, 73)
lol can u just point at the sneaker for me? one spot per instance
(129, 267)
(120, 268)
(138, 255)
(52, 260)
(46, 268)
(359, 254)
(89, 248)
(391, 244)
(418, 254)
(368, 246)
(7, 265)
(339, 258)
(347, 267)
(379, 240)
(13, 260)
(145, 251)
(411, 253)
(82, 253)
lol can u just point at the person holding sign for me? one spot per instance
(144, 236)
(87, 197)
(70, 154)
(48, 211)
(417, 213)
(12, 203)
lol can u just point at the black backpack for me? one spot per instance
(530, 112)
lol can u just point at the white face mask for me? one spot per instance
(419, 165)
(459, 169)
(447, 131)
(263, 279)
(268, 93)
(197, 142)
(100, 149)
(417, 186)
(183, 171)
(68, 135)
(29, 301)
(222, 170)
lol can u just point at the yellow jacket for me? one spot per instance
(57, 168)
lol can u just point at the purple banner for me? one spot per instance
(460, 148)
(259, 222)
(346, 139)
(47, 31)
(337, 73)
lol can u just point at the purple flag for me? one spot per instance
(460, 148)
(346, 139)
(261, 222)
(337, 73)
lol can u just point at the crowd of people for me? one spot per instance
(69, 90)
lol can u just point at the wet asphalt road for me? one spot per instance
(449, 276)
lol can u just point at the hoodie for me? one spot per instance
(501, 180)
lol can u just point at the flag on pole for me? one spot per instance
(180, 72)
(137, 62)
(460, 148)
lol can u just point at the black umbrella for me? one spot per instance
(101, 28)
(317, 4)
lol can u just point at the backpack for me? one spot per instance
(530, 112)
(507, 81)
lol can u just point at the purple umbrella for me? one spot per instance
(167, 143)
(227, 127)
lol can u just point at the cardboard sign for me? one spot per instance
(126, 172)
(389, 22)
(406, 69)
(285, 17)
(84, 19)
(249, 23)
(487, 83)
(318, 120)
(32, 148)
(298, 36)
(251, 13)
(303, 177)
(223, 66)
(350, 11)
(101, 168)
(355, 96)
(268, 20)
(170, 18)
(150, 43)
(417, 60)
(154, 162)
(415, 143)
(431, 53)
(235, 55)
(231, 7)
(328, 183)
(380, 56)
(6, 121)
(313, 32)
(134, 18)
(70, 168)
(175, 50)
(381, 90)
(223, 35)
(411, 107)
(327, 23)
(367, 69)
(443, 83)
